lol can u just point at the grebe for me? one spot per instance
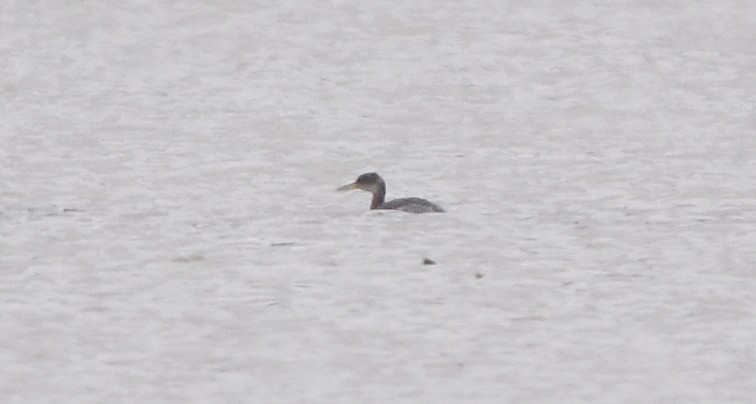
(373, 183)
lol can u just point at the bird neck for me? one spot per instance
(378, 196)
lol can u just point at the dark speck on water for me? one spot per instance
(284, 244)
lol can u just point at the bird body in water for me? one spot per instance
(373, 183)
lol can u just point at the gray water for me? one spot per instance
(169, 230)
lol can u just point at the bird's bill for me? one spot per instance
(347, 187)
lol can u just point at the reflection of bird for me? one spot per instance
(374, 184)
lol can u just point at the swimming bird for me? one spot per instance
(373, 183)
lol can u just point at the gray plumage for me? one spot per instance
(373, 183)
